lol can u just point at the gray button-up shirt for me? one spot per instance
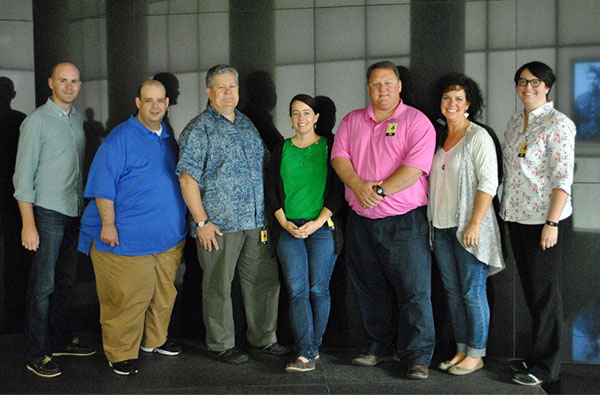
(49, 167)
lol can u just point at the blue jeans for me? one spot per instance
(464, 279)
(389, 265)
(307, 266)
(51, 279)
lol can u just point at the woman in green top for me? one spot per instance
(303, 193)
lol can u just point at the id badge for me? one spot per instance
(391, 129)
(264, 238)
(523, 150)
(330, 224)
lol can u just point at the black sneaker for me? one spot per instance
(169, 348)
(124, 368)
(74, 349)
(526, 379)
(233, 355)
(44, 367)
(519, 365)
(274, 349)
(300, 366)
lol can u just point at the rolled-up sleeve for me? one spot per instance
(192, 153)
(561, 154)
(483, 152)
(28, 155)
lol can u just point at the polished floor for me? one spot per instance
(195, 371)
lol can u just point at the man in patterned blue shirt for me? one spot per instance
(221, 176)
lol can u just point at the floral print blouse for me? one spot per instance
(536, 162)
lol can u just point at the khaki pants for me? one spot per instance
(136, 296)
(259, 280)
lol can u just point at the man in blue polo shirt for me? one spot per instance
(134, 230)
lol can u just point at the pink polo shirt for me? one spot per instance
(375, 156)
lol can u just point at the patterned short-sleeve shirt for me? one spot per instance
(535, 163)
(226, 159)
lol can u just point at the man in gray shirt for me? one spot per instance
(48, 184)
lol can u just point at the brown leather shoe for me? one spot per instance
(417, 371)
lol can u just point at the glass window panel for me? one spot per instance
(213, 39)
(158, 58)
(388, 30)
(16, 45)
(536, 21)
(475, 25)
(578, 21)
(16, 10)
(502, 24)
(345, 83)
(289, 81)
(183, 43)
(339, 33)
(294, 32)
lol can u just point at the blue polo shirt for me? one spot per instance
(135, 168)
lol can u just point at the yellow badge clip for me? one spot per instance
(264, 238)
(523, 149)
(330, 224)
(391, 129)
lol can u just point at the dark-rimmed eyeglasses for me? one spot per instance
(534, 82)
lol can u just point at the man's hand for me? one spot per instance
(109, 235)
(367, 197)
(207, 238)
(30, 237)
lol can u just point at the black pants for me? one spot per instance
(540, 277)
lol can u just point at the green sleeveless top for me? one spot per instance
(304, 175)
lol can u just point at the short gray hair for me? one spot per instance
(220, 69)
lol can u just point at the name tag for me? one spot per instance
(391, 129)
(523, 150)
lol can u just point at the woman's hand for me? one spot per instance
(292, 229)
(471, 235)
(309, 228)
(549, 236)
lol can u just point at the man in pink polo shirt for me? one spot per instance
(383, 154)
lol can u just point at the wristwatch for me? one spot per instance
(379, 190)
(201, 224)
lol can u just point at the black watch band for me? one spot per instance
(550, 223)
(201, 224)
(379, 191)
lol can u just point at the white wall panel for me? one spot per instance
(188, 103)
(475, 25)
(578, 21)
(345, 83)
(536, 23)
(183, 43)
(213, 39)
(339, 33)
(294, 30)
(476, 69)
(16, 45)
(158, 49)
(388, 30)
(502, 24)
(289, 81)
(501, 100)
(18, 10)
(24, 82)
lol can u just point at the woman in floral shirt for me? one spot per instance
(536, 204)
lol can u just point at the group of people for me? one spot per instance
(411, 187)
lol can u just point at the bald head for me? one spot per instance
(146, 83)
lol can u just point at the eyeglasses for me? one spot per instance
(534, 82)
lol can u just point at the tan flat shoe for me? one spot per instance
(458, 371)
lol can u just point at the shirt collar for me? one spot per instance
(542, 109)
(58, 110)
(370, 113)
(218, 115)
(140, 126)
